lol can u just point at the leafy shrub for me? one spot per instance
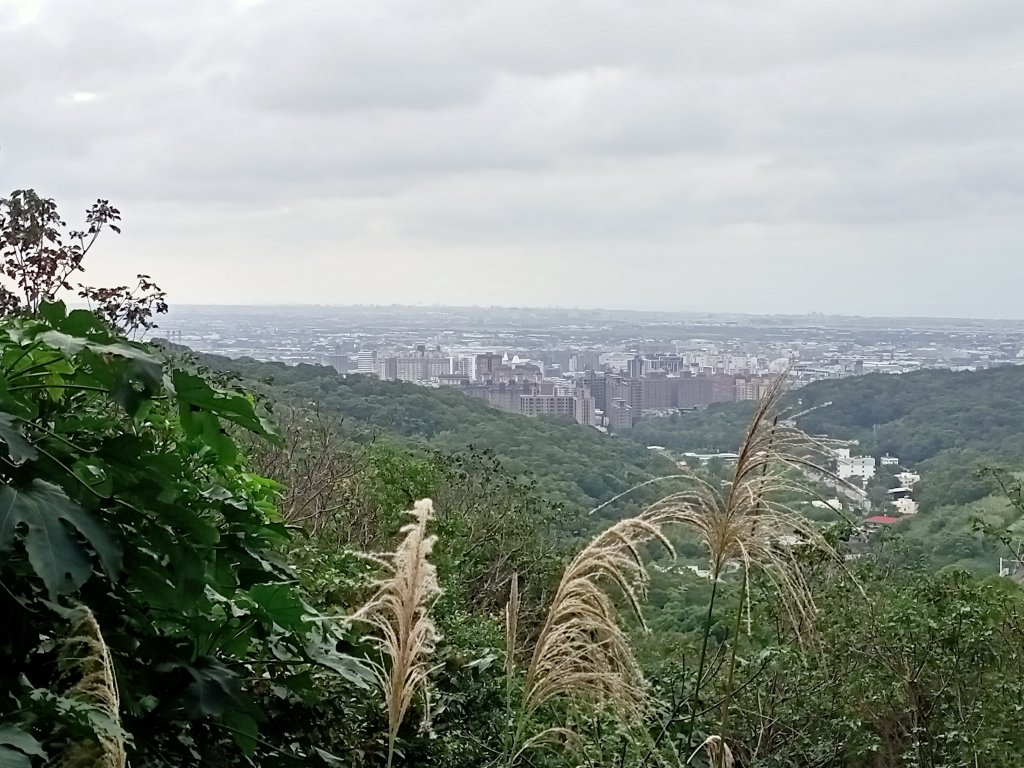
(124, 493)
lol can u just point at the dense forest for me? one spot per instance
(576, 467)
(947, 426)
(951, 427)
(209, 567)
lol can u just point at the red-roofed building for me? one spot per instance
(881, 520)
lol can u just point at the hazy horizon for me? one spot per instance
(555, 308)
(849, 158)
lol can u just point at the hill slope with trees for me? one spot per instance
(575, 466)
(946, 425)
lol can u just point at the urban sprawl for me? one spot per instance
(606, 369)
(609, 370)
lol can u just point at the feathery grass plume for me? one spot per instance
(745, 524)
(582, 653)
(719, 754)
(400, 611)
(85, 659)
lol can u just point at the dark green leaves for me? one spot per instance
(41, 514)
(115, 461)
(72, 345)
(196, 397)
(19, 450)
(16, 746)
(213, 686)
(15, 737)
(280, 604)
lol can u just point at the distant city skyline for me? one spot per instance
(605, 369)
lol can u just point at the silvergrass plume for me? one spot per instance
(582, 654)
(85, 659)
(744, 524)
(400, 611)
(719, 754)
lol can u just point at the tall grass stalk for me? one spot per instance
(743, 525)
(727, 701)
(400, 612)
(582, 654)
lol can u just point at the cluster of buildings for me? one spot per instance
(613, 394)
(862, 469)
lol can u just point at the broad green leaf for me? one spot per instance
(55, 555)
(82, 322)
(94, 474)
(10, 758)
(188, 521)
(53, 312)
(19, 449)
(354, 670)
(280, 604)
(195, 395)
(14, 404)
(72, 345)
(13, 736)
(213, 686)
(482, 663)
(330, 759)
(244, 730)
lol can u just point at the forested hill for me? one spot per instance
(945, 424)
(918, 415)
(573, 465)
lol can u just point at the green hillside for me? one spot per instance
(576, 466)
(943, 424)
(946, 425)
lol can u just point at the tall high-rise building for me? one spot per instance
(694, 391)
(386, 368)
(547, 405)
(620, 415)
(597, 383)
(635, 366)
(628, 389)
(752, 387)
(584, 407)
(420, 367)
(658, 391)
(723, 388)
(366, 360)
(337, 362)
(487, 365)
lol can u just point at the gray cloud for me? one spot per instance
(733, 156)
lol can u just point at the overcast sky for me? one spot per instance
(854, 156)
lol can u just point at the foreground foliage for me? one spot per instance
(123, 494)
